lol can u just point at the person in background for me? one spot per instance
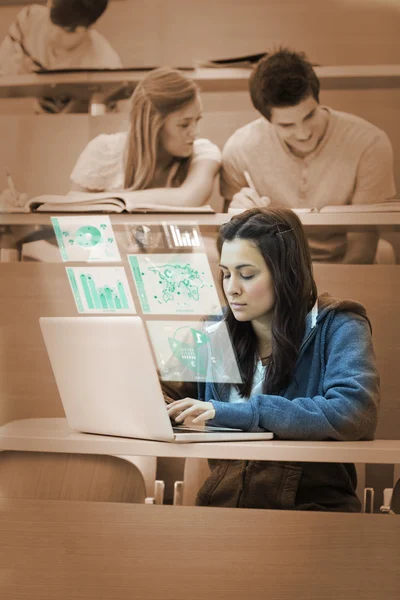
(301, 154)
(307, 363)
(57, 36)
(160, 158)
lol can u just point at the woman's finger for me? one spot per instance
(183, 401)
(192, 410)
(179, 405)
(206, 416)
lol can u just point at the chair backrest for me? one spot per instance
(195, 473)
(395, 500)
(59, 476)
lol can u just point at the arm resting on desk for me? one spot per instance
(345, 408)
(194, 191)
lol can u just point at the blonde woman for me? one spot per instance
(160, 157)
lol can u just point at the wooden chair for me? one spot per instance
(391, 499)
(63, 476)
(385, 253)
(195, 473)
(395, 499)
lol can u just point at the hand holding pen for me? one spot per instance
(11, 185)
(248, 197)
(10, 198)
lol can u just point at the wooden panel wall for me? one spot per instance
(152, 32)
(40, 151)
(331, 32)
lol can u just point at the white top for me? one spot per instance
(258, 379)
(101, 164)
(33, 32)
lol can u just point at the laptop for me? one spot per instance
(108, 381)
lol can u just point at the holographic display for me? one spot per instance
(183, 235)
(101, 290)
(175, 284)
(143, 238)
(193, 351)
(86, 239)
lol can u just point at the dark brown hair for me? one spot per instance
(70, 14)
(279, 236)
(283, 78)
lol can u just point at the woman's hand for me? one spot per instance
(189, 407)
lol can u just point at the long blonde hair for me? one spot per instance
(162, 92)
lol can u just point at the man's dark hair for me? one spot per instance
(283, 78)
(70, 14)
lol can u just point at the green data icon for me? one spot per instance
(194, 351)
(86, 238)
(101, 290)
(188, 353)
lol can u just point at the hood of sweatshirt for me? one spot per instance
(326, 304)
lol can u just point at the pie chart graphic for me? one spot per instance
(88, 236)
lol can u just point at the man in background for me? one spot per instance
(301, 154)
(57, 36)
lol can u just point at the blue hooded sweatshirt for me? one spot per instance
(333, 395)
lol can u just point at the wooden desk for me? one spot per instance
(98, 551)
(120, 84)
(351, 221)
(54, 435)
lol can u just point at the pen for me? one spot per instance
(259, 200)
(10, 184)
(249, 181)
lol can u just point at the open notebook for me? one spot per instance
(113, 202)
(388, 206)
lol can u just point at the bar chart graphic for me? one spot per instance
(86, 238)
(182, 235)
(101, 290)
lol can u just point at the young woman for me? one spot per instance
(160, 157)
(307, 364)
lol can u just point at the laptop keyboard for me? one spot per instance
(205, 429)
